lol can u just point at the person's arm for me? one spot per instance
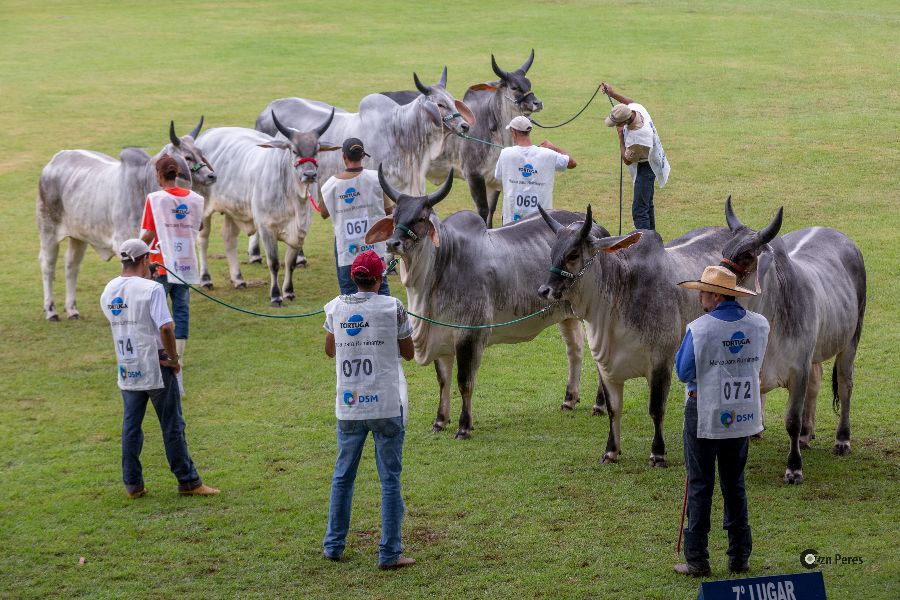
(407, 349)
(622, 148)
(167, 337)
(548, 144)
(607, 89)
(323, 211)
(404, 333)
(685, 363)
(329, 344)
(148, 225)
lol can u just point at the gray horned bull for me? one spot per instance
(96, 200)
(458, 271)
(625, 289)
(813, 292)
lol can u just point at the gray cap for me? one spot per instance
(133, 249)
(520, 123)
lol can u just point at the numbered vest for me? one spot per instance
(370, 381)
(527, 176)
(647, 136)
(729, 357)
(354, 205)
(126, 303)
(177, 221)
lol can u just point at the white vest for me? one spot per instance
(647, 136)
(527, 176)
(728, 357)
(354, 205)
(177, 222)
(370, 381)
(126, 303)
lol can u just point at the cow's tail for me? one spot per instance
(835, 402)
(854, 341)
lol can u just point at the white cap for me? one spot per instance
(520, 123)
(133, 249)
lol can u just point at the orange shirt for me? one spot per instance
(150, 225)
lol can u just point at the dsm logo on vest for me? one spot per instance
(730, 417)
(355, 248)
(354, 325)
(527, 170)
(352, 397)
(117, 306)
(737, 342)
(181, 211)
(350, 195)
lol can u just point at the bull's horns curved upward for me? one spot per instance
(733, 222)
(285, 131)
(443, 80)
(440, 193)
(320, 131)
(500, 72)
(196, 130)
(554, 225)
(588, 223)
(386, 187)
(421, 86)
(527, 64)
(172, 137)
(768, 233)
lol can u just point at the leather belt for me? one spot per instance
(692, 394)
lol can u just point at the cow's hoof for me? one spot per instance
(74, 316)
(793, 477)
(276, 302)
(301, 260)
(804, 444)
(463, 434)
(756, 437)
(290, 296)
(658, 462)
(598, 410)
(437, 427)
(254, 260)
(567, 405)
(609, 458)
(841, 448)
(240, 285)
(53, 317)
(207, 285)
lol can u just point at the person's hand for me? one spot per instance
(172, 364)
(607, 89)
(546, 144)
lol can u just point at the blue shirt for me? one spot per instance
(685, 366)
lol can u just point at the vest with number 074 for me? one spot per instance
(126, 303)
(354, 205)
(370, 381)
(527, 176)
(728, 358)
(177, 220)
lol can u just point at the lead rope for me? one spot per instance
(578, 114)
(620, 177)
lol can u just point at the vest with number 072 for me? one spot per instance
(728, 358)
(370, 381)
(177, 220)
(354, 205)
(527, 176)
(126, 303)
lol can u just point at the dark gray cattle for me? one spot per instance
(625, 289)
(458, 271)
(812, 286)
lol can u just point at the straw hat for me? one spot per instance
(718, 280)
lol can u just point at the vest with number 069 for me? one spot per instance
(527, 176)
(126, 303)
(728, 357)
(370, 381)
(354, 205)
(177, 220)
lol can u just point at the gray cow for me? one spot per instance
(625, 289)
(813, 292)
(94, 199)
(263, 187)
(458, 271)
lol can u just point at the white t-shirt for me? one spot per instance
(527, 175)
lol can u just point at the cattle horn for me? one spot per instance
(768, 233)
(588, 223)
(386, 187)
(553, 223)
(441, 193)
(324, 126)
(527, 64)
(733, 222)
(285, 131)
(443, 80)
(421, 86)
(500, 72)
(196, 130)
(174, 138)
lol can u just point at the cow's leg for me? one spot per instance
(601, 400)
(48, 256)
(253, 255)
(203, 255)
(74, 256)
(615, 391)
(229, 237)
(290, 263)
(660, 382)
(468, 358)
(443, 367)
(573, 336)
(808, 428)
(492, 206)
(842, 388)
(793, 421)
(301, 258)
(270, 244)
(479, 195)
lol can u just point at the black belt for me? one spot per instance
(692, 394)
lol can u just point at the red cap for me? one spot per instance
(369, 264)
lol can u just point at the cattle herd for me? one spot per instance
(460, 270)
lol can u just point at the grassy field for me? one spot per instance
(777, 103)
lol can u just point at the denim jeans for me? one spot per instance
(181, 311)
(700, 457)
(346, 282)
(642, 206)
(351, 436)
(167, 403)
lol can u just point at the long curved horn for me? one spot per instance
(320, 131)
(500, 72)
(441, 193)
(386, 187)
(768, 233)
(442, 82)
(421, 86)
(588, 223)
(550, 221)
(527, 64)
(172, 137)
(733, 222)
(285, 131)
(196, 130)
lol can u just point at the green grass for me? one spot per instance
(791, 103)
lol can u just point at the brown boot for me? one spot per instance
(403, 561)
(693, 570)
(201, 490)
(136, 493)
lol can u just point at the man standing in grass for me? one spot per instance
(367, 335)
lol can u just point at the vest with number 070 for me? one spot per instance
(126, 303)
(527, 176)
(370, 381)
(728, 357)
(177, 220)
(354, 205)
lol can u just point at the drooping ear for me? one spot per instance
(434, 230)
(433, 112)
(465, 112)
(620, 242)
(483, 86)
(278, 144)
(763, 263)
(380, 231)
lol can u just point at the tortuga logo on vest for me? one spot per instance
(354, 325)
(352, 397)
(737, 342)
(181, 211)
(117, 306)
(527, 170)
(350, 195)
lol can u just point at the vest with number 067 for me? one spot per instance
(126, 303)
(177, 220)
(370, 381)
(527, 176)
(354, 205)
(728, 357)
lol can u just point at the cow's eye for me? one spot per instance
(572, 257)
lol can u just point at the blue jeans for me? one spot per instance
(346, 282)
(700, 457)
(181, 311)
(642, 206)
(351, 436)
(167, 403)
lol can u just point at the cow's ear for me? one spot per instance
(614, 244)
(762, 266)
(483, 86)
(434, 230)
(276, 144)
(434, 114)
(380, 231)
(465, 112)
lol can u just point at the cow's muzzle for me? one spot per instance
(551, 293)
